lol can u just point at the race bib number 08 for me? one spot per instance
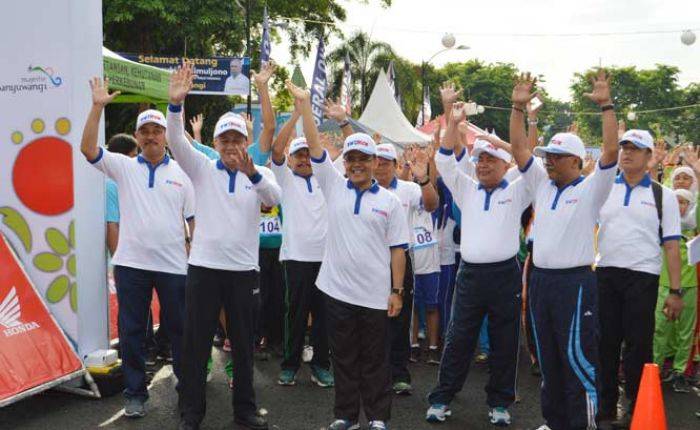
(423, 238)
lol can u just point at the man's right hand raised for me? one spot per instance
(100, 92)
(181, 82)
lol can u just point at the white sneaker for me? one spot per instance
(543, 427)
(437, 413)
(499, 417)
(377, 425)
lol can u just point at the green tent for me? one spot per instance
(139, 83)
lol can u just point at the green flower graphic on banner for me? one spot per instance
(61, 256)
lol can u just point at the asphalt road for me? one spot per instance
(303, 407)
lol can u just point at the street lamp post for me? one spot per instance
(448, 41)
(248, 53)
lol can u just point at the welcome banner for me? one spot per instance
(51, 199)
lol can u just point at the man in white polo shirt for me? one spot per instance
(303, 243)
(638, 216)
(156, 197)
(413, 196)
(489, 279)
(223, 265)
(361, 274)
(563, 294)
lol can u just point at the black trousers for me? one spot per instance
(358, 337)
(627, 302)
(205, 292)
(400, 330)
(483, 289)
(301, 298)
(270, 309)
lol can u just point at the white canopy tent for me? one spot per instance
(383, 115)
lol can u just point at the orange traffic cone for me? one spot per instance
(649, 412)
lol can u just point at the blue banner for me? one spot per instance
(319, 83)
(214, 76)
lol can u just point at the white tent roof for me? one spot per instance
(384, 115)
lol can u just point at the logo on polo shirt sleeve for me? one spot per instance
(381, 212)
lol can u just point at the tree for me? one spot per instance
(205, 28)
(633, 90)
(363, 53)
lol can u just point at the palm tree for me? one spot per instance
(363, 53)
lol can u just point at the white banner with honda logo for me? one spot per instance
(51, 199)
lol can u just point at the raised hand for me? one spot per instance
(197, 122)
(621, 128)
(100, 93)
(658, 154)
(419, 164)
(297, 93)
(248, 124)
(588, 165)
(449, 93)
(495, 141)
(180, 83)
(459, 113)
(335, 111)
(243, 162)
(522, 92)
(601, 89)
(263, 76)
(572, 128)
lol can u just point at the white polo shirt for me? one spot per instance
(490, 221)
(154, 202)
(228, 205)
(305, 215)
(629, 226)
(565, 218)
(363, 226)
(425, 246)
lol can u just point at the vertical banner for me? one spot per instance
(265, 47)
(319, 83)
(51, 199)
(425, 112)
(346, 86)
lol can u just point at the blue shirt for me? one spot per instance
(112, 201)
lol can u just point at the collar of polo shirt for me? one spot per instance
(142, 160)
(394, 183)
(645, 182)
(502, 185)
(374, 188)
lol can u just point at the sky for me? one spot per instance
(494, 32)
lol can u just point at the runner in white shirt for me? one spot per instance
(563, 294)
(361, 274)
(303, 244)
(223, 265)
(629, 265)
(155, 197)
(489, 279)
(414, 196)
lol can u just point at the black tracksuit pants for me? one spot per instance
(358, 338)
(627, 306)
(301, 298)
(400, 330)
(205, 292)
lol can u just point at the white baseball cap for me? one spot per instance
(151, 116)
(229, 122)
(360, 142)
(298, 144)
(563, 143)
(481, 145)
(640, 139)
(387, 151)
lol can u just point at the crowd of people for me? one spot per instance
(368, 248)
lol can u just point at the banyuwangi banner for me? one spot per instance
(214, 76)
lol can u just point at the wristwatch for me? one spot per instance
(678, 292)
(397, 291)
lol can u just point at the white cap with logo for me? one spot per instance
(387, 151)
(360, 142)
(151, 116)
(298, 144)
(640, 138)
(481, 146)
(563, 143)
(228, 122)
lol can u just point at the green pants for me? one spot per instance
(675, 338)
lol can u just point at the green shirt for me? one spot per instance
(689, 277)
